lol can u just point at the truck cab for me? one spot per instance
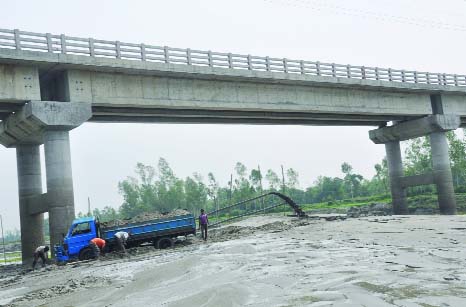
(77, 239)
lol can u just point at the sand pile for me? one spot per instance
(146, 216)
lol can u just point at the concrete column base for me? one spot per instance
(29, 185)
(59, 183)
(442, 173)
(395, 171)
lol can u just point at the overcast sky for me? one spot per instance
(411, 34)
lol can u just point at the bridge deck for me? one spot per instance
(404, 93)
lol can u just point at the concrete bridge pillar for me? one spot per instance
(395, 172)
(29, 186)
(60, 196)
(442, 173)
(48, 123)
(435, 126)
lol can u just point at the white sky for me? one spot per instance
(411, 34)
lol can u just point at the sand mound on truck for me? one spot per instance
(146, 216)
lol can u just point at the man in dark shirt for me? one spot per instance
(41, 252)
(203, 221)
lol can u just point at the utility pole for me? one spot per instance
(283, 181)
(88, 206)
(231, 188)
(3, 239)
(260, 186)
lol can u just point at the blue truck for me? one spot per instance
(159, 232)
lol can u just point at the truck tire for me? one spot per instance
(86, 254)
(95, 250)
(165, 242)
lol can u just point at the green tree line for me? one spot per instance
(158, 188)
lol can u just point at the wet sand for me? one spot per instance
(271, 261)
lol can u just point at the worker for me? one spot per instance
(40, 252)
(203, 221)
(97, 245)
(121, 238)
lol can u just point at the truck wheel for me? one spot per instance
(165, 242)
(95, 250)
(86, 254)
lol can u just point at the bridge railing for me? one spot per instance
(21, 40)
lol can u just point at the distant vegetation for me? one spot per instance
(158, 188)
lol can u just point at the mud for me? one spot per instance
(144, 217)
(269, 261)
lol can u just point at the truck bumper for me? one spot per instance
(60, 254)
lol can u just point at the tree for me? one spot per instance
(196, 193)
(273, 180)
(292, 178)
(457, 151)
(418, 157)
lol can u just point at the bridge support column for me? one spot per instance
(48, 123)
(29, 186)
(60, 196)
(435, 126)
(395, 172)
(442, 173)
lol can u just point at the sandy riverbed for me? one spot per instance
(271, 261)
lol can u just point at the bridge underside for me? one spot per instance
(201, 116)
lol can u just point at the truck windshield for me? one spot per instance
(82, 228)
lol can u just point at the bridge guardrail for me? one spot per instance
(22, 40)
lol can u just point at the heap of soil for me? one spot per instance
(146, 216)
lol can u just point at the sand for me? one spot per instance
(270, 261)
(143, 217)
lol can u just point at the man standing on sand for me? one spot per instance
(97, 245)
(203, 221)
(41, 252)
(121, 238)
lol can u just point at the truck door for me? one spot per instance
(79, 237)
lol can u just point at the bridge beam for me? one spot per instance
(48, 123)
(436, 127)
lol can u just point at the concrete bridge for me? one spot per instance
(50, 84)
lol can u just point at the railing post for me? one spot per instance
(188, 56)
(334, 71)
(267, 63)
(403, 76)
(455, 77)
(285, 65)
(48, 37)
(17, 39)
(445, 79)
(363, 72)
(91, 47)
(428, 77)
(318, 68)
(249, 59)
(439, 78)
(143, 52)
(230, 60)
(63, 43)
(209, 58)
(118, 49)
(415, 77)
(390, 77)
(301, 65)
(348, 71)
(377, 74)
(166, 53)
